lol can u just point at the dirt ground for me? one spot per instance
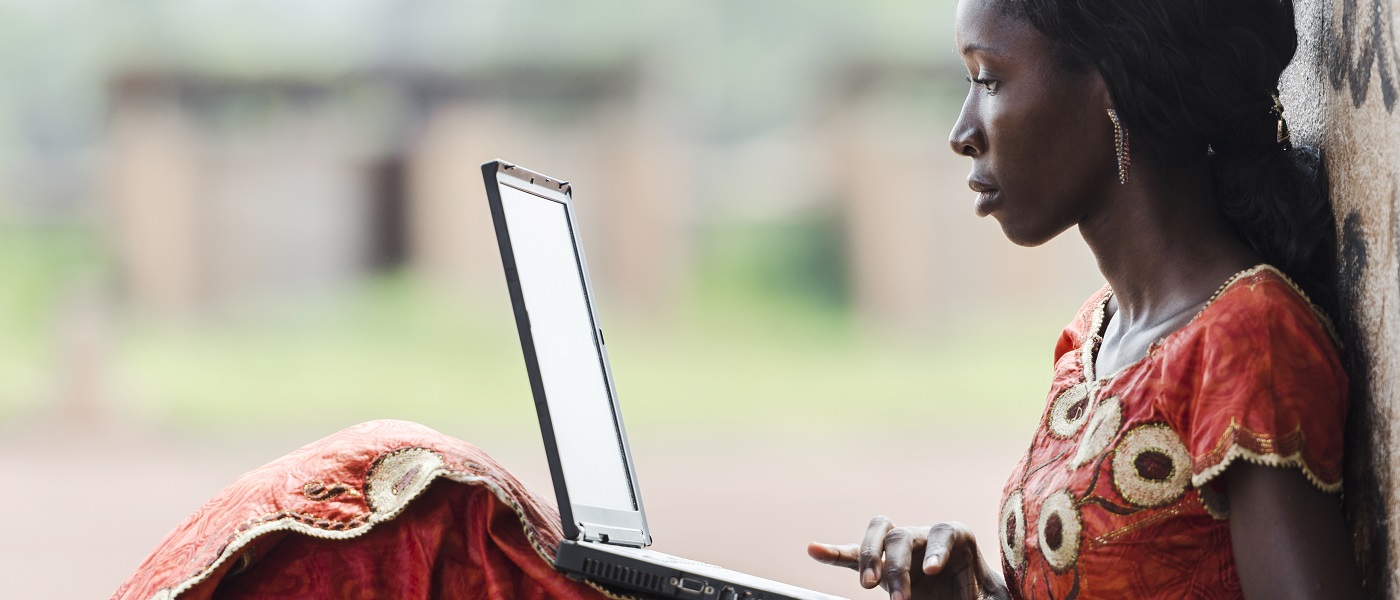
(85, 504)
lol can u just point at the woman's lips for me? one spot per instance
(988, 197)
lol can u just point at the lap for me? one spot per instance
(384, 509)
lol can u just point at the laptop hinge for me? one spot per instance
(616, 536)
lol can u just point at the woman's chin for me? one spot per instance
(1022, 235)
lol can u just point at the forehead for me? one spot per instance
(982, 27)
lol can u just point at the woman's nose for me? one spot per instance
(965, 139)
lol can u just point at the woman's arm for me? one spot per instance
(1289, 537)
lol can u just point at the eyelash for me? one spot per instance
(986, 83)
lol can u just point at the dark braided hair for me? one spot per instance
(1188, 75)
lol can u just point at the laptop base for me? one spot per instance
(657, 575)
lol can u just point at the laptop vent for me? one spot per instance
(623, 575)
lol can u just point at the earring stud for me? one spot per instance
(1120, 147)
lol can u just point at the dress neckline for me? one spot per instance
(1088, 354)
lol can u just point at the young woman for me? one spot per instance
(1191, 445)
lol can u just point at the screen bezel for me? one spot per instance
(580, 521)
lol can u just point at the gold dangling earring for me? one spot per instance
(1120, 146)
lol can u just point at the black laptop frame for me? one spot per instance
(580, 522)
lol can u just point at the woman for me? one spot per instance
(1191, 445)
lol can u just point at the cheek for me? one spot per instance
(1050, 164)
(1054, 150)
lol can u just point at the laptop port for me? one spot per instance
(728, 594)
(694, 586)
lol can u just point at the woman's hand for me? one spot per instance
(917, 563)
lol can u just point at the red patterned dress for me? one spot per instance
(1119, 495)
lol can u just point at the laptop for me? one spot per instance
(605, 528)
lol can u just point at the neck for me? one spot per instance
(1163, 245)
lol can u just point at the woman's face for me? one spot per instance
(1038, 133)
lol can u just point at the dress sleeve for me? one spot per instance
(1271, 388)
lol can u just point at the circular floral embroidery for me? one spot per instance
(1151, 466)
(1058, 528)
(1070, 411)
(1102, 428)
(1013, 531)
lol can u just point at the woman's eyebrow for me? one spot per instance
(979, 49)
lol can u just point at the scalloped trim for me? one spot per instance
(1267, 459)
(1285, 450)
(289, 522)
(1215, 504)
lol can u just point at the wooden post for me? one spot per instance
(1342, 93)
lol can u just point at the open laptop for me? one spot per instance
(605, 528)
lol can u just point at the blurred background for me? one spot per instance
(228, 228)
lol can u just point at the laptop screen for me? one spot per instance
(567, 348)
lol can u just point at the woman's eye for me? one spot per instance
(986, 83)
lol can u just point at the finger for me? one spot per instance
(943, 540)
(871, 548)
(842, 555)
(901, 544)
(966, 580)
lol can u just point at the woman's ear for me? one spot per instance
(1098, 89)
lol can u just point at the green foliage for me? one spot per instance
(793, 265)
(398, 351)
(40, 267)
(766, 340)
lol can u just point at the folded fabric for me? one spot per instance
(384, 509)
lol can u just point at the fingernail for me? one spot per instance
(868, 577)
(897, 595)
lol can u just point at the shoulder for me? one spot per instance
(1260, 323)
(1263, 300)
(1263, 380)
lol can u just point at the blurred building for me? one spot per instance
(224, 191)
(245, 155)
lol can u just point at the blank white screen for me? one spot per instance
(571, 366)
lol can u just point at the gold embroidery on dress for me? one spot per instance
(1149, 520)
(1099, 433)
(317, 491)
(1069, 411)
(1013, 531)
(1093, 338)
(1058, 529)
(1261, 449)
(399, 476)
(1150, 466)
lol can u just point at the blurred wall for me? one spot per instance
(313, 189)
(1341, 93)
(206, 216)
(770, 160)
